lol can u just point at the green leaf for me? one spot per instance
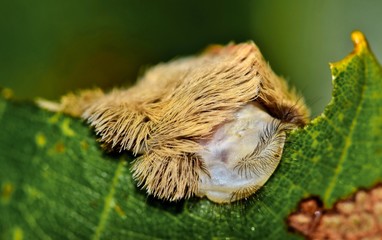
(56, 182)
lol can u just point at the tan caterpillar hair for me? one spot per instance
(177, 105)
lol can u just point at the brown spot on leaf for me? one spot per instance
(357, 217)
(119, 211)
(59, 147)
(6, 192)
(84, 145)
(6, 93)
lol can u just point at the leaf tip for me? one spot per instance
(359, 41)
(360, 46)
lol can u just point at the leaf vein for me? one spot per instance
(348, 141)
(109, 201)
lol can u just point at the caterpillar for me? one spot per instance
(211, 125)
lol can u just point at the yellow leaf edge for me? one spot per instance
(361, 47)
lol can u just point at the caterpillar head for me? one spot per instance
(241, 155)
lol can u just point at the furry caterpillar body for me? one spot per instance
(211, 125)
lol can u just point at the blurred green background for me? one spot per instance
(48, 48)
